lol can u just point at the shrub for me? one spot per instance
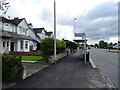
(11, 68)
(47, 46)
(60, 45)
(71, 45)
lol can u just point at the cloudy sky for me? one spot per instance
(97, 18)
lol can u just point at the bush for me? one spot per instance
(12, 68)
(71, 45)
(60, 45)
(47, 46)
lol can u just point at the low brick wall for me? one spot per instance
(58, 56)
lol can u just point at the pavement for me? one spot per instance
(113, 50)
(69, 72)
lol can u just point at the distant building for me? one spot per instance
(116, 45)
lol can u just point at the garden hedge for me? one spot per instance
(47, 46)
(11, 68)
(71, 45)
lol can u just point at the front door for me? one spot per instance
(12, 46)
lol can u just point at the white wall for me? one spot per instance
(24, 49)
(33, 44)
(5, 49)
(8, 27)
(0, 24)
(23, 28)
(1, 51)
(31, 34)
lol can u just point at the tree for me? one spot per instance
(103, 44)
(96, 45)
(4, 5)
(91, 45)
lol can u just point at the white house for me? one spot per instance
(49, 34)
(42, 33)
(35, 38)
(117, 45)
(16, 35)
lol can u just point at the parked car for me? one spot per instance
(88, 47)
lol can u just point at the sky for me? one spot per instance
(97, 18)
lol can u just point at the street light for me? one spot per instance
(55, 31)
(74, 26)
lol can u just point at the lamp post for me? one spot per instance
(74, 26)
(55, 31)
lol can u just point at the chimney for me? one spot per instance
(16, 18)
(30, 25)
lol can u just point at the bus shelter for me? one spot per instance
(83, 41)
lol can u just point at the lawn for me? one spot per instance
(31, 58)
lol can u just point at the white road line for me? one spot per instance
(92, 63)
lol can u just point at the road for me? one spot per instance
(107, 62)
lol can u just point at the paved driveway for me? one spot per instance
(69, 72)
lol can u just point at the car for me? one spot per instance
(88, 47)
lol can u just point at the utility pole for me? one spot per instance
(55, 31)
(85, 52)
(74, 26)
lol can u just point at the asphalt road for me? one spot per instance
(107, 62)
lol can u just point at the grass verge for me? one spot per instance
(31, 58)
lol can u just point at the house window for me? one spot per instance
(3, 44)
(25, 32)
(21, 45)
(26, 44)
(7, 44)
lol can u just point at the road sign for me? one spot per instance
(79, 34)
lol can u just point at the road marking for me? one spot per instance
(92, 63)
(107, 80)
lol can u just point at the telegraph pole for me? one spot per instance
(55, 31)
(74, 26)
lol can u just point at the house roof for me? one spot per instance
(48, 33)
(7, 34)
(16, 21)
(114, 44)
(39, 30)
(66, 40)
(4, 19)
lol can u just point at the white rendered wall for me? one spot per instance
(1, 51)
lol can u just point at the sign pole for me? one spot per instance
(74, 26)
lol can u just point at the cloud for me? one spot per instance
(98, 19)
(107, 9)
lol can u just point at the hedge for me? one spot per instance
(47, 46)
(71, 45)
(11, 68)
